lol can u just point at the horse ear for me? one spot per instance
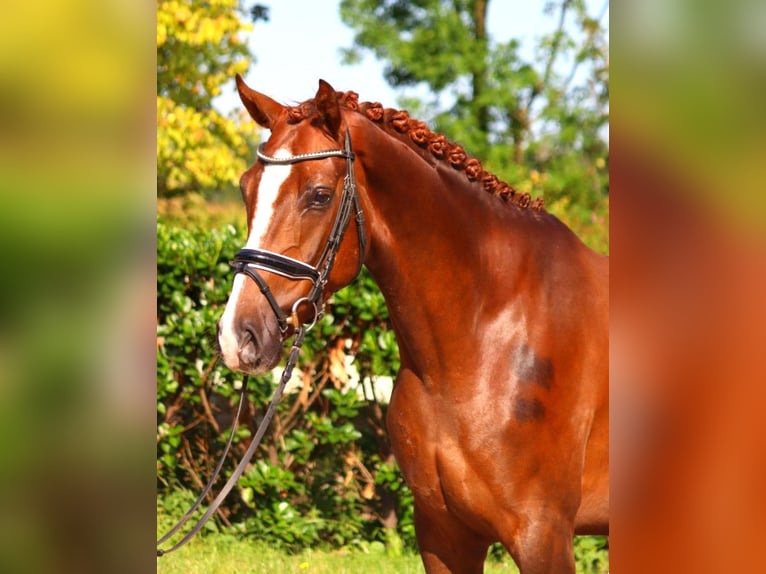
(262, 109)
(327, 105)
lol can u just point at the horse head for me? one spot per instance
(300, 196)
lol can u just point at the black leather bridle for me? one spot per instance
(249, 261)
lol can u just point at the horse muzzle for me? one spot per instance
(250, 346)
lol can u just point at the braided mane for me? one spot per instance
(419, 133)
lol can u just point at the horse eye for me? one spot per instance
(320, 197)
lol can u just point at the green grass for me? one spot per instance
(218, 552)
(221, 554)
(225, 554)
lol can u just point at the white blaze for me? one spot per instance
(272, 178)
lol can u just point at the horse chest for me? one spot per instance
(444, 468)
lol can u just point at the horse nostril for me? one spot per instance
(248, 353)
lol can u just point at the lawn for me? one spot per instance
(220, 554)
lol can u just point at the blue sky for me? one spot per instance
(301, 42)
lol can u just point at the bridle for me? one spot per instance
(249, 261)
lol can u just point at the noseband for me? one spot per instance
(249, 261)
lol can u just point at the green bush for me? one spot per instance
(324, 474)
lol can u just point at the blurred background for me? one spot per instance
(77, 383)
(100, 135)
(687, 309)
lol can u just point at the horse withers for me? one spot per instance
(499, 414)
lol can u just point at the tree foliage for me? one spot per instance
(539, 123)
(200, 47)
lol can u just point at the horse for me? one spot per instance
(498, 417)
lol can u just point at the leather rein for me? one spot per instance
(249, 261)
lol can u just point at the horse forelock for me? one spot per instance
(417, 133)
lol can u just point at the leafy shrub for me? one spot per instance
(324, 474)
(591, 554)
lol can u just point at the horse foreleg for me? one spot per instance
(543, 545)
(446, 546)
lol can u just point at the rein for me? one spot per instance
(247, 261)
(234, 478)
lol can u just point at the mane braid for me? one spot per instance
(420, 135)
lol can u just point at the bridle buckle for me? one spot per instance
(294, 320)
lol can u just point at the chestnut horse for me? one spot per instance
(499, 413)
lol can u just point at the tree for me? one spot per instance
(538, 124)
(199, 48)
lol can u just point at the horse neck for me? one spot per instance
(435, 242)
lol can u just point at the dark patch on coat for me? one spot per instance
(529, 368)
(528, 410)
